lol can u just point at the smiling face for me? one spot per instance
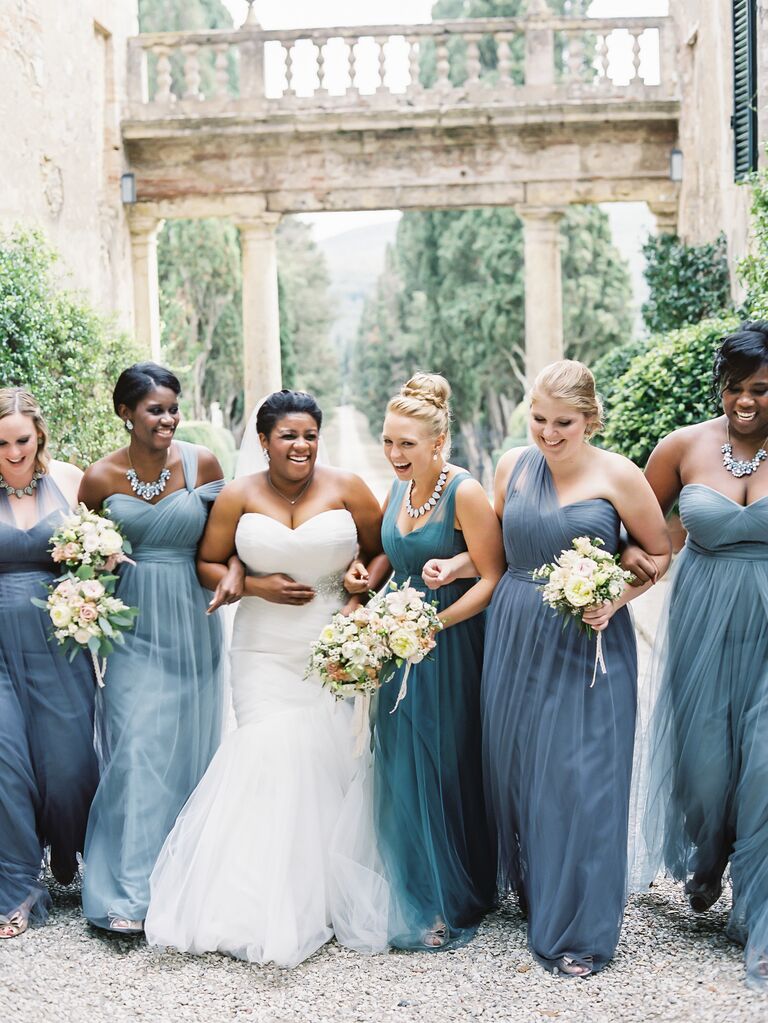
(557, 428)
(155, 417)
(292, 446)
(410, 447)
(19, 442)
(745, 403)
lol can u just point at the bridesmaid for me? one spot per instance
(428, 803)
(48, 770)
(557, 753)
(160, 711)
(709, 765)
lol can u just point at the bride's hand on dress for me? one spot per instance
(597, 618)
(282, 589)
(356, 579)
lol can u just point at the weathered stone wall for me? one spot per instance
(710, 200)
(62, 84)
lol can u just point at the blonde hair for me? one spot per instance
(572, 382)
(16, 399)
(426, 397)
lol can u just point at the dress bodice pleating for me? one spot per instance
(721, 527)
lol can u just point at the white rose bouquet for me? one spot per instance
(353, 650)
(584, 576)
(82, 606)
(89, 538)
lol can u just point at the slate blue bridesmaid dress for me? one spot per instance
(159, 714)
(48, 768)
(428, 795)
(557, 753)
(709, 764)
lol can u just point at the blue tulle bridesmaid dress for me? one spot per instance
(557, 753)
(428, 795)
(159, 715)
(709, 768)
(48, 769)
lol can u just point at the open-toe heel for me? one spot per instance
(572, 967)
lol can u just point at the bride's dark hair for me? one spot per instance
(284, 403)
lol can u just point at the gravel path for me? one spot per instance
(670, 967)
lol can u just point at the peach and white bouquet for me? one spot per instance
(353, 651)
(89, 538)
(580, 578)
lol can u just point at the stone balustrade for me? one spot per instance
(444, 63)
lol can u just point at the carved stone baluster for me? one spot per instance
(322, 85)
(163, 92)
(381, 42)
(473, 59)
(191, 71)
(602, 62)
(504, 60)
(442, 64)
(221, 71)
(290, 92)
(414, 66)
(576, 57)
(636, 80)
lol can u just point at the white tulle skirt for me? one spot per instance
(250, 867)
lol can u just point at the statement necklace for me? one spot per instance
(428, 505)
(19, 492)
(147, 490)
(290, 500)
(741, 467)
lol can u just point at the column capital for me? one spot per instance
(666, 216)
(260, 225)
(531, 212)
(143, 224)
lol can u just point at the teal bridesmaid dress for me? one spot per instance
(159, 715)
(428, 791)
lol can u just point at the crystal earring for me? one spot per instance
(434, 457)
(128, 425)
(266, 455)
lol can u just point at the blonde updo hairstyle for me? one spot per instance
(572, 383)
(426, 397)
(16, 399)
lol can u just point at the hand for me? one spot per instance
(356, 578)
(597, 618)
(641, 565)
(351, 605)
(230, 588)
(438, 572)
(282, 589)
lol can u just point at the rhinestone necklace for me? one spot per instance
(741, 467)
(429, 504)
(148, 490)
(290, 500)
(19, 492)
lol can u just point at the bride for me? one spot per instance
(247, 867)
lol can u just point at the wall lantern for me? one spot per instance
(676, 165)
(128, 189)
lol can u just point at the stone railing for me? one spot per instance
(485, 61)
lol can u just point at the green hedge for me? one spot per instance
(55, 345)
(216, 438)
(664, 388)
(686, 283)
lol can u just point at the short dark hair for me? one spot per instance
(138, 380)
(739, 355)
(284, 403)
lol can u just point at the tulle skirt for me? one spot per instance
(48, 769)
(709, 766)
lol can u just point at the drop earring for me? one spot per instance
(128, 425)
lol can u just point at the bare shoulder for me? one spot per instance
(65, 472)
(506, 465)
(617, 467)
(468, 489)
(349, 483)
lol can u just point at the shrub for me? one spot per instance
(610, 367)
(54, 344)
(664, 388)
(687, 282)
(216, 438)
(753, 270)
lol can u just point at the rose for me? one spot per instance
(92, 589)
(88, 613)
(328, 634)
(585, 567)
(403, 644)
(579, 591)
(60, 615)
(70, 551)
(90, 540)
(82, 636)
(111, 542)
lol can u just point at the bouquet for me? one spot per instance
(89, 538)
(584, 576)
(397, 626)
(81, 605)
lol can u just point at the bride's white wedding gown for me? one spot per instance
(249, 868)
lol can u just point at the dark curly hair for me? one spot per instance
(138, 380)
(284, 403)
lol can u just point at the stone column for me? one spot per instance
(543, 287)
(261, 318)
(666, 216)
(146, 297)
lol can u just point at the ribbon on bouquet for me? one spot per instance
(100, 668)
(599, 660)
(361, 729)
(403, 687)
